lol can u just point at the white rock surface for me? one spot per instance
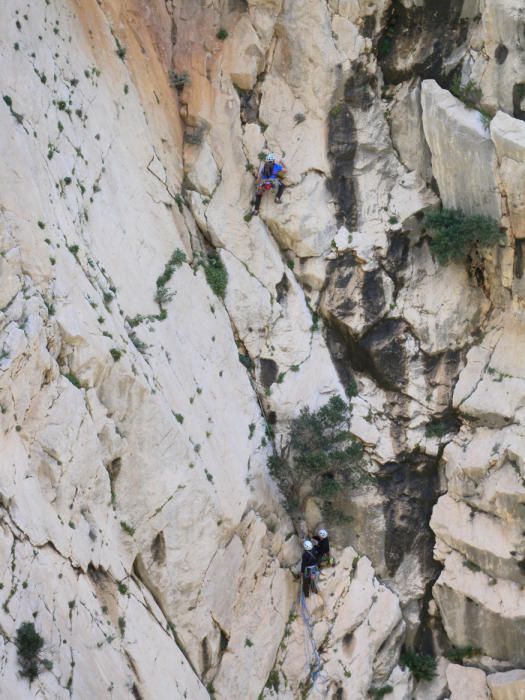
(140, 529)
(463, 155)
(507, 686)
(508, 135)
(466, 683)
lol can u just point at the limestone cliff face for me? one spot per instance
(140, 530)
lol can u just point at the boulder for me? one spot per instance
(508, 135)
(466, 682)
(355, 297)
(442, 304)
(407, 132)
(480, 611)
(499, 64)
(498, 395)
(307, 231)
(487, 542)
(243, 57)
(463, 155)
(204, 174)
(509, 685)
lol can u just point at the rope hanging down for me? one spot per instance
(312, 654)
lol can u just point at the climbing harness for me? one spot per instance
(312, 573)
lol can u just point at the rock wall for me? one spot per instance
(141, 532)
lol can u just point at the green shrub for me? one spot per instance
(322, 451)
(471, 566)
(178, 257)
(457, 654)
(178, 80)
(216, 274)
(73, 379)
(378, 693)
(115, 354)
(222, 34)
(423, 667)
(29, 646)
(385, 46)
(352, 388)
(179, 202)
(436, 428)
(469, 93)
(121, 50)
(127, 528)
(273, 681)
(138, 343)
(456, 234)
(247, 361)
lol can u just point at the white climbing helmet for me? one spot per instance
(270, 158)
(323, 534)
(308, 545)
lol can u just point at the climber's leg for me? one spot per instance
(257, 204)
(280, 190)
(306, 586)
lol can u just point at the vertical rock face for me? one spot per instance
(156, 341)
(463, 155)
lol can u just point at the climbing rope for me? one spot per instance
(313, 659)
(312, 654)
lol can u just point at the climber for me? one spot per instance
(269, 177)
(309, 569)
(322, 548)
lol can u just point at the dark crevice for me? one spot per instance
(249, 108)
(501, 53)
(419, 41)
(281, 288)
(518, 258)
(410, 487)
(140, 572)
(158, 549)
(269, 371)
(518, 98)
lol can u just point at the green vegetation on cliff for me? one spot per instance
(457, 234)
(321, 453)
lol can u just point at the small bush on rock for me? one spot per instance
(321, 452)
(162, 295)
(456, 234)
(179, 80)
(469, 93)
(457, 654)
(216, 274)
(423, 667)
(379, 693)
(29, 646)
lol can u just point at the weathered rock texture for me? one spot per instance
(140, 531)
